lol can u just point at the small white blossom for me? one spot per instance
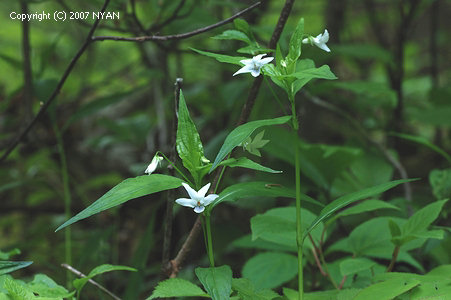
(319, 41)
(198, 201)
(254, 65)
(153, 164)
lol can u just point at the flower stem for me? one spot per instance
(175, 168)
(209, 241)
(299, 239)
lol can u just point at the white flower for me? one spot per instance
(319, 41)
(198, 200)
(254, 65)
(153, 164)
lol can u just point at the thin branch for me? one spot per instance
(80, 274)
(165, 265)
(175, 15)
(315, 252)
(28, 76)
(175, 36)
(135, 17)
(57, 88)
(393, 259)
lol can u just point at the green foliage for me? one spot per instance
(440, 181)
(188, 143)
(387, 290)
(241, 133)
(177, 287)
(270, 269)
(246, 290)
(252, 145)
(127, 190)
(244, 162)
(217, 281)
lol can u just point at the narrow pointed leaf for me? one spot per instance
(9, 266)
(350, 198)
(296, 41)
(80, 282)
(245, 162)
(222, 58)
(126, 190)
(241, 133)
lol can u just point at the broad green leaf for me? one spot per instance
(44, 286)
(126, 190)
(387, 290)
(420, 221)
(355, 265)
(440, 181)
(246, 290)
(223, 58)
(217, 281)
(270, 269)
(9, 266)
(188, 143)
(80, 282)
(9, 254)
(242, 25)
(258, 189)
(395, 232)
(322, 72)
(239, 135)
(443, 270)
(350, 198)
(278, 225)
(233, 35)
(244, 162)
(423, 141)
(296, 42)
(177, 287)
(365, 206)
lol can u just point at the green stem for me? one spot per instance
(299, 239)
(173, 165)
(209, 241)
(67, 201)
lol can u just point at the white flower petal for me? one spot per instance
(258, 57)
(186, 202)
(246, 61)
(192, 193)
(203, 191)
(199, 209)
(255, 72)
(210, 198)
(324, 47)
(266, 60)
(245, 69)
(324, 37)
(305, 41)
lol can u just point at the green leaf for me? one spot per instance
(246, 290)
(223, 58)
(440, 180)
(80, 282)
(233, 35)
(365, 206)
(252, 145)
(350, 198)
(278, 225)
(216, 281)
(423, 141)
(324, 295)
(188, 143)
(387, 290)
(420, 221)
(296, 42)
(242, 25)
(395, 232)
(322, 72)
(245, 162)
(258, 189)
(126, 190)
(177, 287)
(44, 286)
(239, 135)
(351, 266)
(9, 266)
(270, 269)
(17, 289)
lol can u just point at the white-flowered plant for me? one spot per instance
(153, 164)
(198, 201)
(319, 41)
(254, 65)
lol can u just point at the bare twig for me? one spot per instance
(165, 265)
(57, 89)
(175, 36)
(28, 77)
(315, 252)
(393, 259)
(80, 274)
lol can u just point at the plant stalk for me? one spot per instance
(209, 241)
(299, 239)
